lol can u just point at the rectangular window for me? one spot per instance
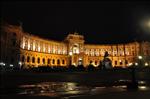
(115, 62)
(120, 63)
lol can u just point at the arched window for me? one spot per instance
(43, 60)
(53, 61)
(23, 59)
(76, 48)
(95, 62)
(38, 60)
(58, 62)
(48, 61)
(91, 61)
(28, 59)
(63, 61)
(33, 60)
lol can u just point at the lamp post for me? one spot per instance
(140, 60)
(20, 64)
(70, 60)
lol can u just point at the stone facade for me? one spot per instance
(23, 49)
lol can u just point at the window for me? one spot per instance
(48, 61)
(120, 63)
(28, 59)
(38, 60)
(43, 60)
(95, 62)
(63, 61)
(53, 61)
(133, 53)
(91, 62)
(33, 60)
(58, 62)
(115, 62)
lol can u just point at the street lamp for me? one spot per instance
(20, 64)
(140, 57)
(136, 64)
(146, 64)
(140, 60)
(70, 60)
(11, 65)
(2, 64)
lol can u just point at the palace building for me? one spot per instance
(22, 49)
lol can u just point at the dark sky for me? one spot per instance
(98, 21)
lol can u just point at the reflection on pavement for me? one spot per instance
(63, 89)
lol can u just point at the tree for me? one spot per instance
(90, 67)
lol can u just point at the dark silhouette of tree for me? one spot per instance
(90, 67)
(71, 68)
(80, 68)
(100, 65)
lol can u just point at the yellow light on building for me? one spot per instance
(23, 43)
(77, 51)
(48, 50)
(29, 45)
(70, 53)
(33, 47)
(72, 45)
(130, 64)
(74, 64)
(39, 48)
(44, 49)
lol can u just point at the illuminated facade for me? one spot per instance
(19, 48)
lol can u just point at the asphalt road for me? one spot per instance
(10, 81)
(15, 78)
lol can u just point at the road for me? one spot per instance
(11, 80)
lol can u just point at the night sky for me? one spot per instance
(99, 21)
